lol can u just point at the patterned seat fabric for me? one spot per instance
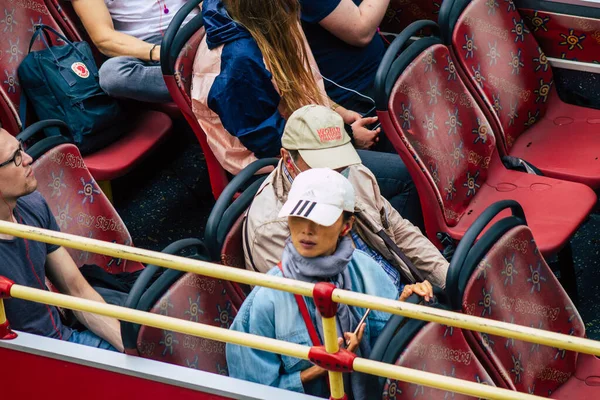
(193, 298)
(444, 129)
(513, 283)
(564, 36)
(402, 13)
(181, 93)
(232, 253)
(184, 64)
(512, 76)
(441, 350)
(505, 63)
(17, 22)
(80, 207)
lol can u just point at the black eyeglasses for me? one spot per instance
(17, 158)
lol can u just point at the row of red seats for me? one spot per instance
(148, 127)
(453, 105)
(499, 274)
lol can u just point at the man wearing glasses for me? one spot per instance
(27, 262)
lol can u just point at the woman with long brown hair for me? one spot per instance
(252, 70)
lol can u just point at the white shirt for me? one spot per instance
(144, 19)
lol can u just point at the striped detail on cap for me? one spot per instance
(301, 206)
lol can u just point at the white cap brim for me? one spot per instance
(333, 157)
(322, 214)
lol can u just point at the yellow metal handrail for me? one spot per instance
(459, 320)
(267, 344)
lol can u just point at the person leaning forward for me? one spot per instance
(314, 137)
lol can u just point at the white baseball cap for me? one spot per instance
(320, 195)
(318, 134)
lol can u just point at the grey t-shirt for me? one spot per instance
(23, 261)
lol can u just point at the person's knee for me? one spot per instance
(112, 77)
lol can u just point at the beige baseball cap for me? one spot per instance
(318, 134)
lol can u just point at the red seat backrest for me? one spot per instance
(80, 207)
(193, 298)
(17, 27)
(232, 253)
(184, 64)
(440, 350)
(505, 64)
(180, 88)
(514, 284)
(401, 13)
(444, 129)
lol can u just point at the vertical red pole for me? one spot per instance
(5, 332)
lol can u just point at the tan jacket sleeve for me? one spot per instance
(417, 247)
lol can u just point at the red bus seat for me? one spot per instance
(433, 348)
(149, 127)
(178, 51)
(448, 145)
(192, 298)
(512, 78)
(504, 277)
(80, 207)
(401, 13)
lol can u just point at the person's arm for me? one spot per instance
(355, 25)
(65, 275)
(256, 123)
(257, 317)
(99, 25)
(417, 247)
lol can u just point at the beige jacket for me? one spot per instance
(265, 233)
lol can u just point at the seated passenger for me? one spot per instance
(308, 142)
(319, 210)
(27, 262)
(130, 32)
(252, 70)
(344, 32)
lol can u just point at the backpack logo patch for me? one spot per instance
(80, 70)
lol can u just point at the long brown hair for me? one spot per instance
(275, 25)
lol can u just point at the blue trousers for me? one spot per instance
(89, 338)
(132, 78)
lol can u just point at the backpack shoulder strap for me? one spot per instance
(312, 332)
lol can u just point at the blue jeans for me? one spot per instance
(89, 338)
(132, 78)
(395, 184)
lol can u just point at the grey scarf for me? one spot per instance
(333, 268)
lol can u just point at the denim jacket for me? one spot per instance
(274, 314)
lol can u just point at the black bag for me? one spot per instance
(61, 82)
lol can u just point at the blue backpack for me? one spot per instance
(61, 82)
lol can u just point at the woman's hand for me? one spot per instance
(351, 340)
(365, 138)
(423, 289)
(348, 116)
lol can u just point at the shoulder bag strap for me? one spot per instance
(312, 332)
(396, 250)
(393, 247)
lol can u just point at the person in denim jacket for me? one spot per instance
(319, 211)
